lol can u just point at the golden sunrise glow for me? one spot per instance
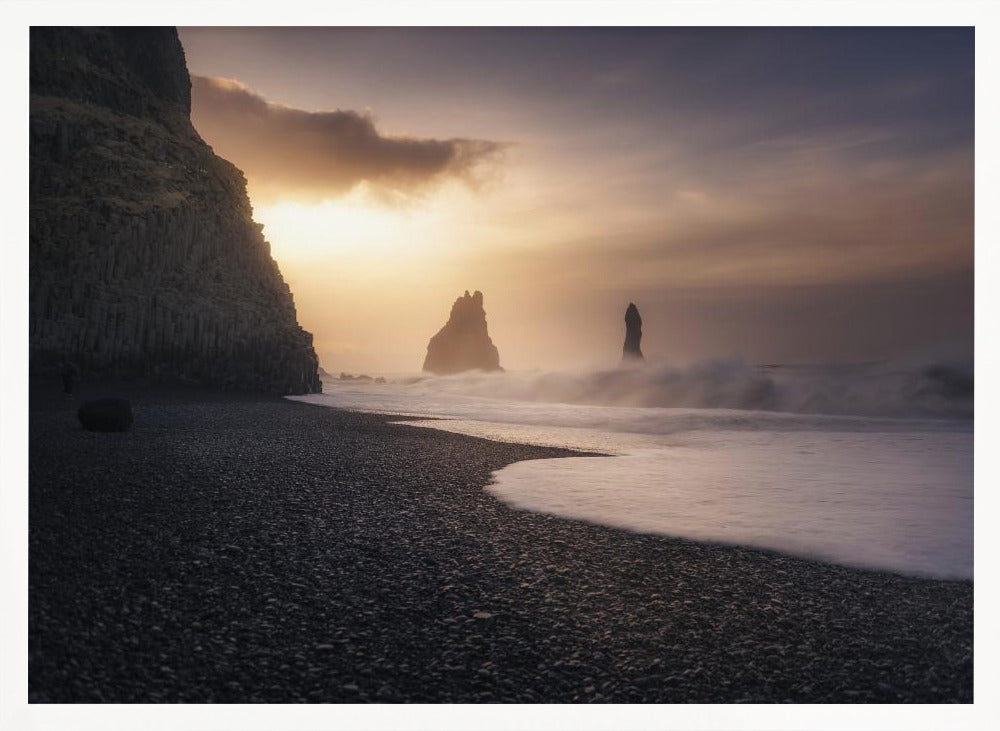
(359, 227)
(342, 228)
(766, 226)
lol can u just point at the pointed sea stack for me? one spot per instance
(463, 344)
(631, 352)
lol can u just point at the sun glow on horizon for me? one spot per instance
(299, 230)
(360, 227)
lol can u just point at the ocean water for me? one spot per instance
(864, 466)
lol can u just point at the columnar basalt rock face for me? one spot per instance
(631, 352)
(144, 256)
(463, 344)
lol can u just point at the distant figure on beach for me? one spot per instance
(69, 375)
(633, 334)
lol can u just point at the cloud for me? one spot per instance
(287, 152)
(802, 215)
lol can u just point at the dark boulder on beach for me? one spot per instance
(463, 344)
(106, 414)
(631, 352)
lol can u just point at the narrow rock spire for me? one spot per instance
(633, 334)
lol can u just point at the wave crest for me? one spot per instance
(881, 390)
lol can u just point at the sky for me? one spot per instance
(778, 195)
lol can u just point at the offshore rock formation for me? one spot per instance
(144, 256)
(631, 352)
(463, 344)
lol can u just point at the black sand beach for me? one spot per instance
(247, 549)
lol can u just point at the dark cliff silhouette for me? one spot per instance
(463, 344)
(631, 352)
(145, 260)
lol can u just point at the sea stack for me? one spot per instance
(145, 260)
(463, 344)
(631, 352)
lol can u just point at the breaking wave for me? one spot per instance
(876, 390)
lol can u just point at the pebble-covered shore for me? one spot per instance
(244, 549)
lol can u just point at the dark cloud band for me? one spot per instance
(287, 151)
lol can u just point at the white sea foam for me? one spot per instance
(875, 389)
(873, 490)
(899, 501)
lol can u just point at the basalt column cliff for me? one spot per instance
(144, 256)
